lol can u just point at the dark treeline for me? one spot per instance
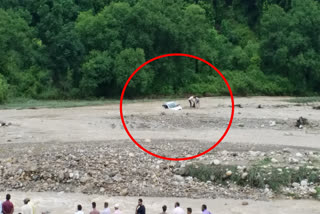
(53, 49)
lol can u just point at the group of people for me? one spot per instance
(194, 102)
(7, 206)
(140, 209)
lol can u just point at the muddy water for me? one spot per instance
(63, 203)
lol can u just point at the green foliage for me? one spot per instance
(257, 175)
(3, 89)
(76, 48)
(97, 72)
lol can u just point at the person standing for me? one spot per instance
(79, 210)
(164, 209)
(0, 207)
(178, 209)
(7, 206)
(106, 209)
(117, 210)
(204, 209)
(191, 101)
(189, 210)
(26, 208)
(94, 210)
(140, 207)
(197, 102)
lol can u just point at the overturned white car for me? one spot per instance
(172, 106)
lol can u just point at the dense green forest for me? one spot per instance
(53, 49)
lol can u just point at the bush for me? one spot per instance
(3, 89)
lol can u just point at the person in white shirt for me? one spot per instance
(106, 209)
(79, 210)
(178, 209)
(26, 208)
(117, 211)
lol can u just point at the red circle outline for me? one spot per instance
(163, 56)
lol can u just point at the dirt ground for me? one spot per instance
(182, 133)
(58, 203)
(251, 125)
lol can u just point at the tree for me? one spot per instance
(97, 74)
(125, 63)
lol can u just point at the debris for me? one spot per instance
(272, 123)
(301, 122)
(2, 123)
(259, 106)
(316, 107)
(245, 203)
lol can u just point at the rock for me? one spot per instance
(61, 176)
(180, 171)
(273, 160)
(178, 178)
(272, 123)
(244, 175)
(84, 179)
(294, 184)
(245, 203)
(102, 189)
(228, 173)
(131, 155)
(293, 160)
(216, 162)
(299, 154)
(124, 192)
(254, 153)
(312, 191)
(304, 183)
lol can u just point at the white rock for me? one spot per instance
(216, 162)
(304, 183)
(254, 153)
(312, 191)
(293, 160)
(244, 175)
(147, 140)
(294, 184)
(131, 155)
(229, 173)
(299, 154)
(178, 178)
(272, 123)
(273, 160)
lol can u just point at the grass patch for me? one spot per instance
(304, 100)
(22, 103)
(257, 176)
(263, 162)
(25, 103)
(317, 194)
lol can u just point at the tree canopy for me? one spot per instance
(74, 48)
